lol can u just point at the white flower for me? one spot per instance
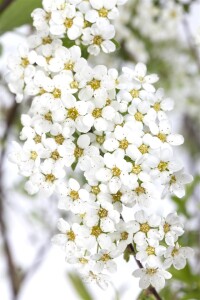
(150, 251)
(124, 234)
(103, 214)
(67, 21)
(115, 171)
(102, 9)
(71, 236)
(98, 37)
(163, 135)
(160, 105)
(104, 260)
(146, 227)
(153, 275)
(45, 179)
(175, 183)
(102, 280)
(176, 256)
(27, 158)
(99, 83)
(140, 77)
(73, 197)
(161, 163)
(171, 228)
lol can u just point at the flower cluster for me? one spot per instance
(113, 131)
(85, 22)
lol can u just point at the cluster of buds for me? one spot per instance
(112, 130)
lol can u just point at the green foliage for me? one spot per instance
(17, 14)
(1, 49)
(127, 253)
(79, 286)
(144, 295)
(117, 44)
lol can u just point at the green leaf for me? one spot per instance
(17, 14)
(67, 42)
(1, 49)
(145, 295)
(117, 45)
(127, 253)
(79, 287)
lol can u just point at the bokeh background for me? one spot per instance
(166, 36)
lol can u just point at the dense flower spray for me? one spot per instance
(112, 130)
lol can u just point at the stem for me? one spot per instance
(191, 43)
(5, 4)
(6, 245)
(151, 290)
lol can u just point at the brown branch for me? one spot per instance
(5, 4)
(193, 48)
(150, 290)
(6, 245)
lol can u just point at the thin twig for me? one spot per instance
(7, 249)
(150, 290)
(5, 4)
(190, 40)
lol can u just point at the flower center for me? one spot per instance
(105, 257)
(100, 139)
(124, 236)
(57, 93)
(83, 261)
(172, 180)
(103, 13)
(96, 231)
(144, 149)
(140, 190)
(150, 250)
(68, 23)
(136, 169)
(46, 40)
(78, 152)
(103, 213)
(162, 166)
(24, 62)
(34, 155)
(69, 66)
(95, 84)
(97, 113)
(134, 93)
(97, 40)
(116, 171)
(55, 155)
(50, 178)
(123, 144)
(162, 137)
(74, 85)
(157, 106)
(59, 139)
(48, 117)
(71, 236)
(95, 190)
(37, 139)
(139, 117)
(74, 195)
(144, 227)
(174, 252)
(151, 271)
(72, 113)
(117, 197)
(166, 228)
